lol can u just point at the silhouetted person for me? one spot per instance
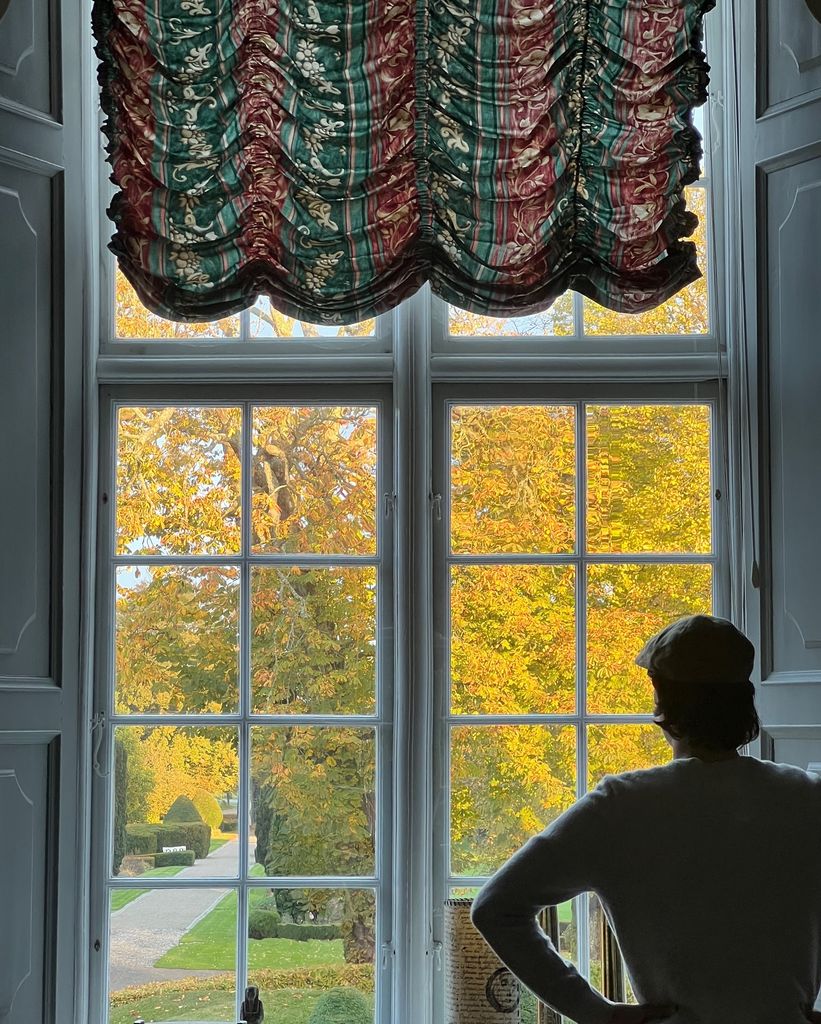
(708, 868)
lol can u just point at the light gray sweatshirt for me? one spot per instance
(709, 873)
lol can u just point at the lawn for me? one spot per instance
(287, 1006)
(217, 843)
(121, 897)
(211, 944)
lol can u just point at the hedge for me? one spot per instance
(359, 976)
(306, 932)
(168, 860)
(229, 821)
(140, 839)
(144, 838)
(265, 924)
(342, 1006)
(195, 835)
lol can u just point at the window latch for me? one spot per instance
(97, 735)
(436, 506)
(390, 504)
(436, 949)
(387, 955)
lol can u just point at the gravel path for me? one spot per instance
(149, 926)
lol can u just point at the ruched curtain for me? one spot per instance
(337, 154)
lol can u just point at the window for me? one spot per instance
(369, 621)
(248, 689)
(571, 530)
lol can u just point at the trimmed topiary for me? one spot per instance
(262, 924)
(207, 808)
(120, 785)
(183, 809)
(342, 1006)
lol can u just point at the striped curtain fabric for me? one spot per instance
(336, 154)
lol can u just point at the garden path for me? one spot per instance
(141, 931)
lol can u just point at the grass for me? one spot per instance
(288, 1006)
(121, 897)
(217, 843)
(211, 945)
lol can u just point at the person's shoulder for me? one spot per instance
(640, 778)
(788, 775)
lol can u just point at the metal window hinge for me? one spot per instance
(388, 953)
(390, 503)
(436, 506)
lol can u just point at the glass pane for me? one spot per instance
(313, 800)
(178, 480)
(313, 646)
(176, 639)
(303, 942)
(553, 322)
(133, 320)
(314, 479)
(267, 322)
(172, 785)
(513, 473)
(612, 749)
(514, 623)
(626, 605)
(172, 956)
(648, 478)
(687, 312)
(508, 782)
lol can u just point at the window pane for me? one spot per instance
(267, 322)
(171, 785)
(161, 942)
(313, 646)
(133, 320)
(314, 479)
(555, 321)
(612, 749)
(507, 783)
(513, 477)
(314, 800)
(176, 641)
(513, 642)
(687, 312)
(178, 480)
(303, 942)
(648, 478)
(626, 605)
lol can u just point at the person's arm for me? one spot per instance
(568, 858)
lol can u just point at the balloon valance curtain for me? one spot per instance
(337, 154)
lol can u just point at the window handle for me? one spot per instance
(436, 507)
(387, 955)
(437, 956)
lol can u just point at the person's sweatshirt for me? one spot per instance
(710, 875)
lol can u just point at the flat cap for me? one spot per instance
(699, 649)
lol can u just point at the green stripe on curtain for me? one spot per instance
(336, 154)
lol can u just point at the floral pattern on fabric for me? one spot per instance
(336, 154)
